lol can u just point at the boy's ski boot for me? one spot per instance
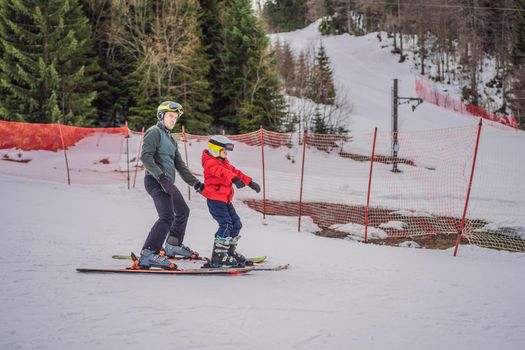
(148, 259)
(220, 257)
(174, 248)
(232, 251)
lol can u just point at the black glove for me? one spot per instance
(166, 184)
(254, 186)
(198, 186)
(238, 183)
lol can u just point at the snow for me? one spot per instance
(408, 213)
(409, 244)
(517, 230)
(395, 225)
(357, 231)
(337, 294)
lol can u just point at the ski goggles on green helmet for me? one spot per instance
(169, 106)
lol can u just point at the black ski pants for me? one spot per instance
(173, 215)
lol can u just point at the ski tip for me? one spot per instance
(259, 259)
(121, 257)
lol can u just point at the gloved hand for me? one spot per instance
(238, 183)
(198, 186)
(254, 186)
(166, 184)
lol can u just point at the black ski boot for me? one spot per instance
(232, 251)
(219, 256)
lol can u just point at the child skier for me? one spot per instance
(219, 176)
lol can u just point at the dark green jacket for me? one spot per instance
(160, 155)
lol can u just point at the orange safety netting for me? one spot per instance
(326, 177)
(65, 153)
(428, 93)
(420, 191)
(47, 137)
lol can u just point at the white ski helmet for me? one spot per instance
(217, 143)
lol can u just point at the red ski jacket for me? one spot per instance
(218, 177)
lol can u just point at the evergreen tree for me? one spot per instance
(114, 93)
(288, 68)
(302, 76)
(319, 125)
(322, 89)
(211, 24)
(47, 67)
(246, 89)
(330, 24)
(519, 33)
(285, 15)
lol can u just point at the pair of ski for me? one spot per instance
(257, 265)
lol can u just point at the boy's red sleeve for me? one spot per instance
(244, 178)
(217, 170)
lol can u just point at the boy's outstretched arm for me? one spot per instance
(242, 176)
(247, 180)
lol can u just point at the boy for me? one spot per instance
(219, 176)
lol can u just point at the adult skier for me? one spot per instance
(161, 157)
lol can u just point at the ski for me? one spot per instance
(217, 271)
(256, 260)
(128, 257)
(270, 267)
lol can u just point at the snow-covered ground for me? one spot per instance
(337, 294)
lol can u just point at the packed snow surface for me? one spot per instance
(337, 294)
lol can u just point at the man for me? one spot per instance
(161, 158)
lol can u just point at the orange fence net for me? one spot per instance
(328, 178)
(426, 91)
(39, 151)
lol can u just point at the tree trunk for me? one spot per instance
(474, 76)
(421, 42)
(401, 56)
(395, 39)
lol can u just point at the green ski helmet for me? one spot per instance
(169, 106)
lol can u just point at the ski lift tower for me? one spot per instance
(396, 101)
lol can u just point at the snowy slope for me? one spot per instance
(337, 294)
(365, 68)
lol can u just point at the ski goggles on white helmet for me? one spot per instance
(219, 142)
